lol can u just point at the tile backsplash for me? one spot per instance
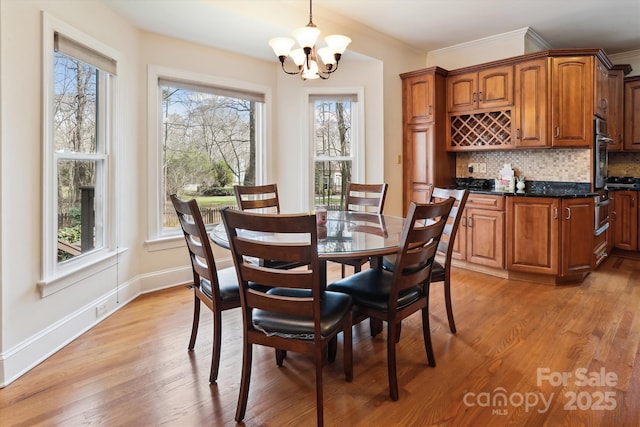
(569, 165)
(624, 164)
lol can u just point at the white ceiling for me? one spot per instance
(246, 25)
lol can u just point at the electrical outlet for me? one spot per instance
(101, 309)
(472, 167)
(482, 167)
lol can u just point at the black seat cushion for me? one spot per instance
(371, 288)
(437, 270)
(333, 307)
(228, 282)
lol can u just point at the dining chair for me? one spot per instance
(217, 289)
(297, 314)
(263, 198)
(362, 198)
(441, 271)
(391, 296)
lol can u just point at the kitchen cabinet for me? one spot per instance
(480, 237)
(632, 114)
(425, 158)
(615, 99)
(601, 91)
(625, 219)
(530, 112)
(572, 101)
(550, 236)
(489, 88)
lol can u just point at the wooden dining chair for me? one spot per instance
(262, 198)
(441, 271)
(217, 289)
(296, 314)
(362, 198)
(393, 296)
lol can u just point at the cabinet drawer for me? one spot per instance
(485, 201)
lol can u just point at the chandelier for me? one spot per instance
(312, 63)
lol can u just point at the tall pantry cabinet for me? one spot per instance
(425, 159)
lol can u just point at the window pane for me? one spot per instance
(209, 144)
(75, 97)
(328, 183)
(333, 128)
(79, 219)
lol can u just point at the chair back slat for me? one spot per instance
(360, 197)
(257, 197)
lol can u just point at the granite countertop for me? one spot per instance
(544, 189)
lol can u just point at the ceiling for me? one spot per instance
(246, 25)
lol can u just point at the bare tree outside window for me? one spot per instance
(333, 143)
(208, 145)
(79, 157)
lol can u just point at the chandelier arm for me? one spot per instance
(282, 58)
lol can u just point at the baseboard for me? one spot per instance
(29, 353)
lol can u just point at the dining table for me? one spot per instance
(346, 234)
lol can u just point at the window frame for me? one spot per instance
(157, 237)
(358, 172)
(59, 275)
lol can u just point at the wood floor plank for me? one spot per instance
(134, 367)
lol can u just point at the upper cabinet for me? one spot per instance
(615, 102)
(632, 113)
(419, 98)
(530, 112)
(572, 105)
(485, 89)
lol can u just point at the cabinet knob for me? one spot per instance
(568, 210)
(557, 131)
(555, 212)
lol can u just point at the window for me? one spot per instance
(210, 139)
(335, 147)
(78, 108)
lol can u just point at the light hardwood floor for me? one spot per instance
(134, 368)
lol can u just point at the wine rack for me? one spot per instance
(481, 130)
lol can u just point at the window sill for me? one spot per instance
(81, 272)
(164, 243)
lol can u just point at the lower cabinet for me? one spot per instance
(625, 219)
(550, 236)
(480, 237)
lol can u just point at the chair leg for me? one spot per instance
(447, 301)
(196, 322)
(217, 343)
(347, 344)
(375, 326)
(343, 270)
(244, 381)
(332, 349)
(426, 334)
(319, 398)
(280, 355)
(391, 360)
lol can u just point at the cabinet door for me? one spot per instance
(462, 92)
(485, 237)
(578, 217)
(572, 101)
(533, 234)
(531, 103)
(626, 220)
(632, 115)
(615, 102)
(419, 158)
(419, 98)
(495, 87)
(600, 98)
